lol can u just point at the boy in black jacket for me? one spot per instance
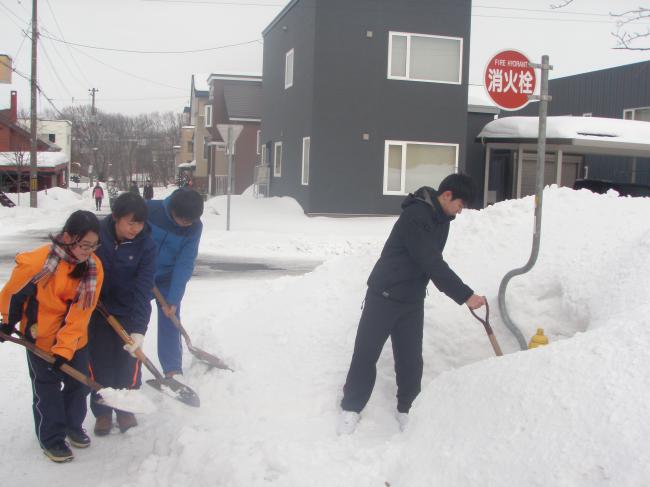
(394, 304)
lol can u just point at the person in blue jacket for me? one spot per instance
(176, 228)
(128, 255)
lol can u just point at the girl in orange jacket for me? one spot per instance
(50, 295)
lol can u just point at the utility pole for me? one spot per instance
(92, 92)
(33, 165)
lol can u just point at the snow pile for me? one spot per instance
(573, 413)
(127, 400)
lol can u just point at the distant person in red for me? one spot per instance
(98, 194)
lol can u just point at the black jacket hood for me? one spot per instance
(428, 196)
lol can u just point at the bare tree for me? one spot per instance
(625, 36)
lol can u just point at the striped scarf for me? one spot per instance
(88, 283)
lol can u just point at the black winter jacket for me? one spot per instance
(412, 254)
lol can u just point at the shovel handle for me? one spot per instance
(163, 302)
(126, 338)
(49, 358)
(488, 329)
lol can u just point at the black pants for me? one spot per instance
(110, 364)
(380, 319)
(98, 204)
(57, 409)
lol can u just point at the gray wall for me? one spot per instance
(352, 96)
(287, 114)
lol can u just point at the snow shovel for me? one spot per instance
(202, 355)
(488, 329)
(180, 391)
(107, 398)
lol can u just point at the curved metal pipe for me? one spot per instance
(539, 194)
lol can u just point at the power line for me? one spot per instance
(74, 60)
(135, 51)
(129, 74)
(54, 70)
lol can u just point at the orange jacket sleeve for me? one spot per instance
(75, 328)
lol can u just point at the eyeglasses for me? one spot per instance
(86, 246)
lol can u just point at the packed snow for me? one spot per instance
(127, 400)
(572, 413)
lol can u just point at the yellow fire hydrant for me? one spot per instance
(539, 339)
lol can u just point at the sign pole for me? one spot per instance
(229, 185)
(229, 134)
(543, 98)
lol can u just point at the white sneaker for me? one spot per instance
(348, 421)
(402, 419)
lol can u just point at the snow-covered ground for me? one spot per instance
(575, 413)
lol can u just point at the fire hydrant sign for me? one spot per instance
(509, 80)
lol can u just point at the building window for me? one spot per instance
(419, 57)
(259, 149)
(208, 115)
(288, 70)
(306, 143)
(52, 137)
(642, 114)
(277, 160)
(410, 165)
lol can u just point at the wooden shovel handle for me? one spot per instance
(126, 338)
(163, 302)
(49, 358)
(488, 329)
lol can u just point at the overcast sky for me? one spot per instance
(577, 39)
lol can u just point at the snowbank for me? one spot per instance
(573, 413)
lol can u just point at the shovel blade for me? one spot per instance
(208, 358)
(177, 390)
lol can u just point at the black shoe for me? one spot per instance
(78, 438)
(59, 452)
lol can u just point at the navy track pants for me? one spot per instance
(382, 318)
(57, 409)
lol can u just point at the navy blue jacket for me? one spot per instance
(129, 268)
(177, 249)
(412, 254)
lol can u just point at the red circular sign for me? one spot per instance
(509, 80)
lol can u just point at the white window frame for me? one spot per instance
(408, 36)
(277, 171)
(264, 156)
(633, 111)
(258, 148)
(302, 176)
(207, 114)
(404, 144)
(288, 62)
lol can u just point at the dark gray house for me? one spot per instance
(364, 101)
(622, 92)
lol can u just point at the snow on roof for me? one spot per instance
(44, 159)
(479, 101)
(187, 165)
(201, 81)
(568, 127)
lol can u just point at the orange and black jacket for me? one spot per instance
(61, 326)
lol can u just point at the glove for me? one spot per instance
(58, 362)
(6, 329)
(138, 340)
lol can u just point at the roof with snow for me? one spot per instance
(44, 159)
(200, 83)
(595, 135)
